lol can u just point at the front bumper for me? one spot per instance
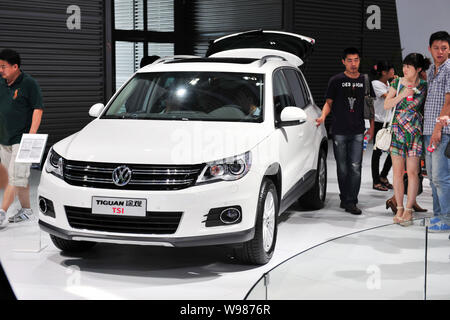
(194, 203)
(229, 238)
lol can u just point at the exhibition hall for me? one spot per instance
(213, 150)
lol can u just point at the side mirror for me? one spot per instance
(292, 116)
(96, 110)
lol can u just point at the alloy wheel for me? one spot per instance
(322, 178)
(268, 221)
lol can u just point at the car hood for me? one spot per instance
(160, 142)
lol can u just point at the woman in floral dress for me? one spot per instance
(407, 138)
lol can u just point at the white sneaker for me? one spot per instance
(2, 216)
(21, 215)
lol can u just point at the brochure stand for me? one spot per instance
(31, 148)
(27, 234)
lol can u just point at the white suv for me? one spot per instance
(193, 151)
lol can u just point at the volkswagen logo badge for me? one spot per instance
(121, 176)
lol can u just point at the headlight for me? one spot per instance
(54, 164)
(228, 169)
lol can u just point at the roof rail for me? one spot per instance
(264, 59)
(177, 57)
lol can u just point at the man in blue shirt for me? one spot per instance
(437, 135)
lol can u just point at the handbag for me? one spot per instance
(369, 109)
(384, 135)
(405, 183)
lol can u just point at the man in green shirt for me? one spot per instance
(21, 110)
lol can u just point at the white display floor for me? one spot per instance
(139, 272)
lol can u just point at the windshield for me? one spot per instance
(213, 96)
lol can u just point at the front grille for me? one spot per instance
(143, 177)
(153, 223)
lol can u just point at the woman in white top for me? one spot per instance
(383, 71)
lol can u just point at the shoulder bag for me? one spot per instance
(384, 135)
(369, 109)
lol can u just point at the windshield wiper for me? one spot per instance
(111, 116)
(132, 115)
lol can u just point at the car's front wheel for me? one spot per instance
(71, 245)
(260, 249)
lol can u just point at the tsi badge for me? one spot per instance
(121, 176)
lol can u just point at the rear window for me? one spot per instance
(263, 40)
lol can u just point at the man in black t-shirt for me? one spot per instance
(345, 94)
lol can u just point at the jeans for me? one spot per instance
(348, 150)
(375, 163)
(438, 171)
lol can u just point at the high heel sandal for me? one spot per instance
(398, 217)
(407, 222)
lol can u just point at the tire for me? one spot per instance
(71, 245)
(260, 249)
(314, 199)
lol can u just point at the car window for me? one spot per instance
(281, 94)
(304, 87)
(297, 89)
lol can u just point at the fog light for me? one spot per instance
(230, 215)
(46, 207)
(43, 205)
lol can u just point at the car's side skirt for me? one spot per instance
(299, 189)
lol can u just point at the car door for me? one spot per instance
(308, 130)
(289, 138)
